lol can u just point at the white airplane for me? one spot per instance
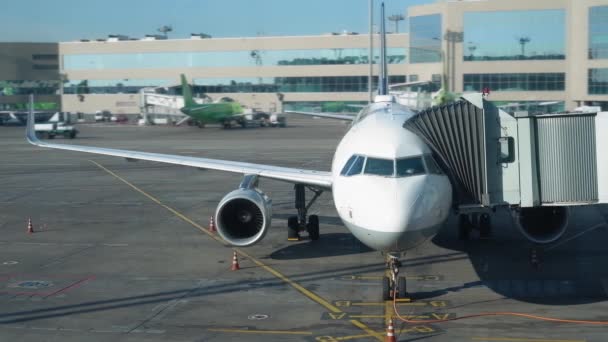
(387, 189)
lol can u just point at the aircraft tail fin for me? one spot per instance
(187, 92)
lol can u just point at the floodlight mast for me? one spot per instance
(383, 80)
(370, 80)
(396, 18)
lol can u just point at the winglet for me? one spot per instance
(30, 130)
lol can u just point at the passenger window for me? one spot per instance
(353, 166)
(379, 167)
(431, 165)
(410, 167)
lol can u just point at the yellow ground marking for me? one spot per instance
(269, 269)
(276, 332)
(521, 339)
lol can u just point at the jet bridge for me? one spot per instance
(497, 159)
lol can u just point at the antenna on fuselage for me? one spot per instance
(383, 79)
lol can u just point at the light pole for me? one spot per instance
(396, 18)
(370, 78)
(165, 29)
(523, 41)
(452, 37)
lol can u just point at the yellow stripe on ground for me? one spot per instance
(270, 332)
(269, 269)
(521, 339)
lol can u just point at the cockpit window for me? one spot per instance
(410, 167)
(380, 167)
(353, 166)
(431, 165)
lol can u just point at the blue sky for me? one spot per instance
(65, 20)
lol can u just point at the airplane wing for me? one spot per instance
(343, 117)
(320, 179)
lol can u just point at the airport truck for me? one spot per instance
(51, 130)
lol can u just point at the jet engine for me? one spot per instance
(542, 224)
(243, 216)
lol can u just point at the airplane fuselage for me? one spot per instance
(387, 189)
(212, 112)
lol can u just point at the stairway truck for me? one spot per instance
(52, 130)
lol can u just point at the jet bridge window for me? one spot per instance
(380, 167)
(410, 167)
(353, 166)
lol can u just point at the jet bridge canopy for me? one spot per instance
(495, 158)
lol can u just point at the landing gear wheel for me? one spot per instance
(464, 227)
(313, 227)
(386, 288)
(401, 287)
(485, 226)
(293, 228)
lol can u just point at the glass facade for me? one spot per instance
(325, 84)
(543, 107)
(514, 35)
(425, 38)
(232, 85)
(8, 88)
(597, 81)
(325, 106)
(226, 59)
(598, 32)
(515, 82)
(122, 86)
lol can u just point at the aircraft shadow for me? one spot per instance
(323, 220)
(569, 273)
(332, 244)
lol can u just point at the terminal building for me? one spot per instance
(549, 55)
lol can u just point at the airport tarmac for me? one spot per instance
(120, 252)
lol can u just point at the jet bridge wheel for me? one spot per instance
(485, 226)
(464, 227)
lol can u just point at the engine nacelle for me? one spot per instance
(542, 224)
(243, 216)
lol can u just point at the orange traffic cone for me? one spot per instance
(390, 332)
(30, 226)
(212, 225)
(235, 263)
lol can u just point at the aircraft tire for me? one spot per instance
(313, 227)
(402, 287)
(386, 288)
(292, 227)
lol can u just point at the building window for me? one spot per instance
(597, 81)
(326, 84)
(45, 57)
(425, 39)
(347, 56)
(325, 106)
(514, 35)
(25, 87)
(515, 82)
(120, 86)
(45, 67)
(413, 78)
(598, 32)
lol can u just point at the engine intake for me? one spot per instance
(542, 224)
(243, 216)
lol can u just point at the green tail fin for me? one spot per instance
(187, 92)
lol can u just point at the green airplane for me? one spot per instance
(225, 111)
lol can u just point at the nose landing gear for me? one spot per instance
(393, 285)
(303, 222)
